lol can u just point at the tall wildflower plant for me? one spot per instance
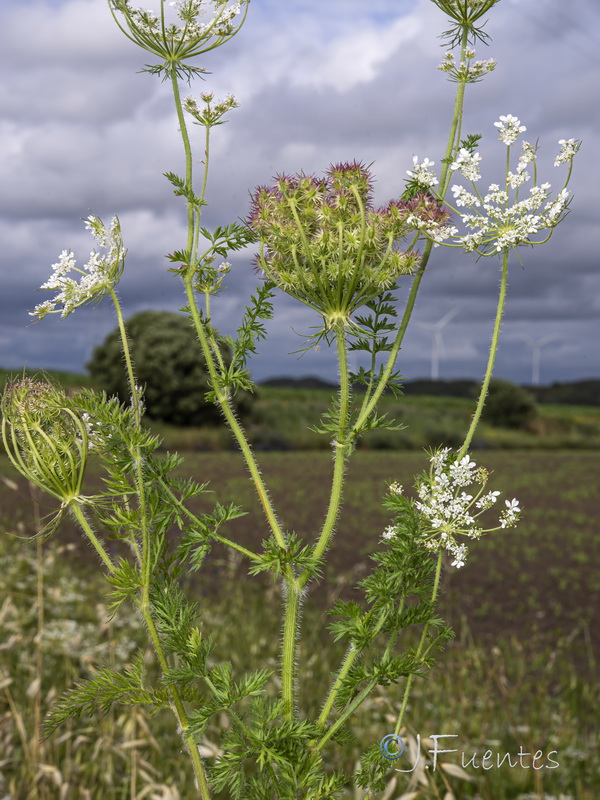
(322, 241)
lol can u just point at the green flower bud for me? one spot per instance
(46, 441)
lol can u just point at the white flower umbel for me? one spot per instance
(96, 278)
(568, 148)
(422, 172)
(468, 69)
(510, 128)
(505, 217)
(190, 29)
(468, 164)
(449, 510)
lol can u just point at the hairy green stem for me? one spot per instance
(235, 426)
(342, 446)
(293, 593)
(207, 340)
(409, 679)
(356, 703)
(75, 508)
(349, 659)
(188, 159)
(288, 651)
(491, 358)
(456, 126)
(137, 456)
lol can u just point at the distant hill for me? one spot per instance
(577, 393)
(307, 382)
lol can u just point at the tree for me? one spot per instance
(509, 406)
(169, 365)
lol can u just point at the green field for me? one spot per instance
(522, 671)
(281, 420)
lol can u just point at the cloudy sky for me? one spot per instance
(82, 130)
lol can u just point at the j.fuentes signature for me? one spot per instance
(392, 748)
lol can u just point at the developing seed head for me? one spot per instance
(324, 243)
(44, 438)
(180, 31)
(463, 15)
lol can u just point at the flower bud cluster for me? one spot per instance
(98, 276)
(449, 511)
(468, 70)
(502, 219)
(323, 242)
(211, 114)
(198, 28)
(44, 438)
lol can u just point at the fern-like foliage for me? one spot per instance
(99, 693)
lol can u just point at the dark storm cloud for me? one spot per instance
(80, 130)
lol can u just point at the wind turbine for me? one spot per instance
(536, 354)
(437, 345)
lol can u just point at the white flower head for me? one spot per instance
(568, 149)
(464, 198)
(449, 511)
(518, 178)
(511, 514)
(460, 554)
(468, 164)
(422, 172)
(510, 128)
(96, 278)
(528, 154)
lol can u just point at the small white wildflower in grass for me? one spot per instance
(449, 511)
(390, 532)
(395, 488)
